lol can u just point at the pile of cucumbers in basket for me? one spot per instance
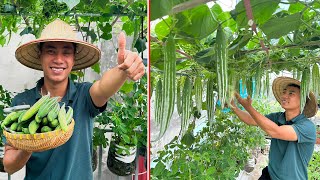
(44, 116)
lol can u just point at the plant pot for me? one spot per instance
(119, 164)
(249, 166)
(143, 152)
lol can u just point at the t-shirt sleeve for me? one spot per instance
(94, 110)
(273, 117)
(306, 131)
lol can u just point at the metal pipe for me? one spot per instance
(100, 162)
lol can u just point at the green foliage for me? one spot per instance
(289, 31)
(5, 101)
(127, 112)
(278, 27)
(262, 11)
(219, 151)
(160, 8)
(314, 166)
(197, 23)
(79, 13)
(99, 138)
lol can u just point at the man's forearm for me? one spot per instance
(263, 122)
(107, 86)
(244, 116)
(14, 160)
(112, 81)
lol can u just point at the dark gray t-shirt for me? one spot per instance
(72, 160)
(289, 159)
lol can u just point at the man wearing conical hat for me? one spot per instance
(57, 52)
(293, 134)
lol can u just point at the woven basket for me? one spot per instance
(40, 141)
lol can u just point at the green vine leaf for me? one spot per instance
(262, 11)
(127, 87)
(26, 30)
(96, 67)
(2, 40)
(162, 29)
(128, 27)
(198, 22)
(106, 36)
(160, 8)
(141, 44)
(277, 27)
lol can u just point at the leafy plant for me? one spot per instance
(5, 101)
(127, 112)
(314, 166)
(218, 151)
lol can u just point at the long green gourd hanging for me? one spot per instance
(198, 93)
(210, 100)
(257, 78)
(267, 84)
(221, 54)
(315, 80)
(169, 84)
(158, 111)
(304, 88)
(178, 102)
(186, 105)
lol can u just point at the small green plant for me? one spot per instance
(127, 113)
(218, 151)
(5, 101)
(314, 166)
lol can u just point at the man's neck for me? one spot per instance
(291, 114)
(55, 89)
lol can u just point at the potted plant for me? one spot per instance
(128, 115)
(5, 101)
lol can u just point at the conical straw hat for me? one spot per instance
(86, 54)
(310, 109)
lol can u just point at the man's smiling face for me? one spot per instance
(290, 98)
(57, 60)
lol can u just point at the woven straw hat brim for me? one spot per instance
(280, 83)
(86, 54)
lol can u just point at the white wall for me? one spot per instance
(15, 77)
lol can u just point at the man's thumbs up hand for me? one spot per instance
(129, 61)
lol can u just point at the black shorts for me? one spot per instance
(265, 174)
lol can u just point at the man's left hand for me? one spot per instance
(128, 61)
(244, 102)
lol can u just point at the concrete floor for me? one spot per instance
(262, 161)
